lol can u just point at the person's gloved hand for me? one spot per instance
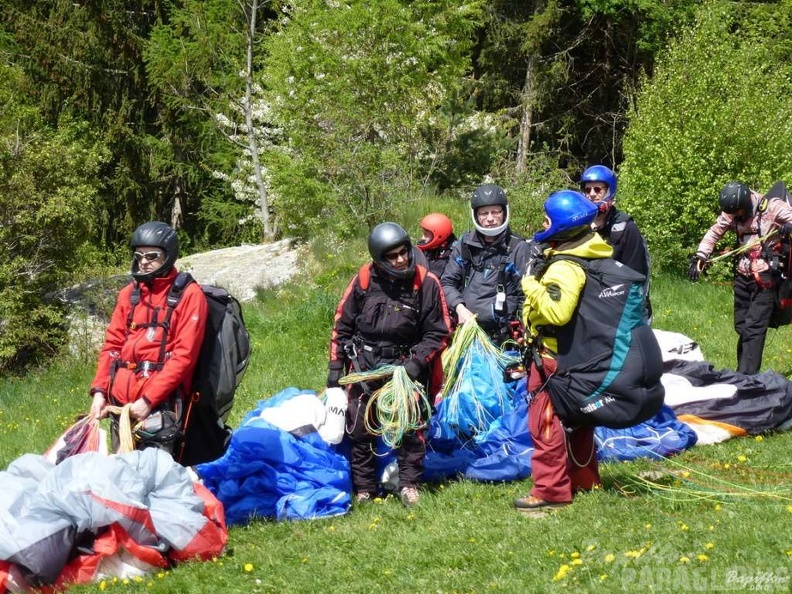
(333, 375)
(537, 263)
(537, 267)
(413, 369)
(698, 264)
(785, 230)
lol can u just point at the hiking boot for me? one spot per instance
(530, 504)
(364, 497)
(409, 496)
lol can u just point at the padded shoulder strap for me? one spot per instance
(364, 276)
(418, 277)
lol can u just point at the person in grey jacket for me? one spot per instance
(483, 274)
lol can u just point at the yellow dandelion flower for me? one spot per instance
(102, 585)
(718, 507)
(648, 526)
(632, 554)
(575, 555)
(742, 458)
(685, 474)
(411, 516)
(702, 557)
(577, 561)
(610, 558)
(591, 547)
(789, 508)
(683, 526)
(727, 466)
(759, 438)
(712, 528)
(561, 574)
(709, 546)
(551, 553)
(248, 567)
(684, 559)
(603, 577)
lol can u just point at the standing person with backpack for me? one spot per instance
(758, 272)
(393, 312)
(564, 460)
(598, 183)
(437, 241)
(151, 348)
(483, 274)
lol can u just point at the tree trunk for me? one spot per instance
(527, 97)
(264, 213)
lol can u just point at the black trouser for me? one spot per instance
(753, 305)
(409, 455)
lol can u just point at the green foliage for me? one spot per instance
(47, 188)
(716, 110)
(352, 85)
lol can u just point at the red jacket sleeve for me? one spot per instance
(115, 336)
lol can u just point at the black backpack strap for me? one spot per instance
(134, 300)
(175, 295)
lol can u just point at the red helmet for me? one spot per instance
(440, 227)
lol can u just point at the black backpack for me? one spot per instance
(609, 362)
(779, 261)
(222, 362)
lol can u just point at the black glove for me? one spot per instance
(333, 376)
(537, 267)
(698, 264)
(785, 230)
(537, 263)
(413, 368)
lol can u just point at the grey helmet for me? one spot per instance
(384, 238)
(735, 197)
(489, 195)
(155, 234)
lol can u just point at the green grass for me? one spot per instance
(465, 536)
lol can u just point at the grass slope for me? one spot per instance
(724, 525)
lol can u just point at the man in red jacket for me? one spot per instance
(148, 360)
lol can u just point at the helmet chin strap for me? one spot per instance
(603, 206)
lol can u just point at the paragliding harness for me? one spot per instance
(509, 329)
(779, 259)
(617, 226)
(356, 347)
(201, 431)
(609, 362)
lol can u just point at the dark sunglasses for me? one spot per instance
(393, 256)
(148, 256)
(595, 189)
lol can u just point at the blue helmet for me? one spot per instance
(600, 173)
(570, 214)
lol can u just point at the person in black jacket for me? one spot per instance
(483, 275)
(437, 241)
(598, 183)
(392, 312)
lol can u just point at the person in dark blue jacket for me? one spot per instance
(483, 275)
